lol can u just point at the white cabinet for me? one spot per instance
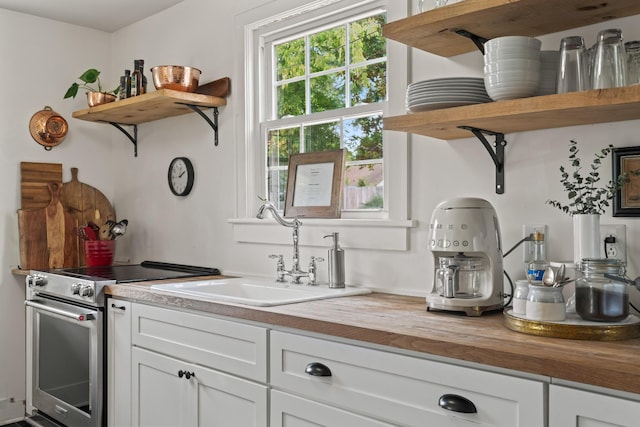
(118, 363)
(171, 392)
(569, 407)
(399, 389)
(173, 368)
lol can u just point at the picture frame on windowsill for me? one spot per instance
(314, 184)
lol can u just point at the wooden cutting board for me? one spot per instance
(34, 183)
(85, 202)
(47, 235)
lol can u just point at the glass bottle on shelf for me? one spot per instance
(536, 266)
(136, 82)
(125, 85)
(139, 65)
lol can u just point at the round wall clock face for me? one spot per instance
(181, 176)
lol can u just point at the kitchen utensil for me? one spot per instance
(464, 241)
(105, 232)
(88, 204)
(48, 128)
(635, 282)
(609, 61)
(561, 273)
(119, 228)
(47, 239)
(175, 77)
(549, 277)
(34, 183)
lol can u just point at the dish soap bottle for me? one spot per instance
(336, 263)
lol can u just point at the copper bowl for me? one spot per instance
(175, 77)
(99, 98)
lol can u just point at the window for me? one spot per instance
(269, 130)
(327, 87)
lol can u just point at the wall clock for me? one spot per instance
(181, 176)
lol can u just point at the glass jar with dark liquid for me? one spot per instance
(598, 298)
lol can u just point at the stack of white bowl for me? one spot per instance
(512, 67)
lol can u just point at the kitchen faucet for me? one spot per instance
(296, 273)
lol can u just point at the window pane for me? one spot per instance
(326, 49)
(328, 92)
(364, 186)
(281, 144)
(291, 98)
(369, 84)
(322, 137)
(367, 41)
(290, 59)
(363, 137)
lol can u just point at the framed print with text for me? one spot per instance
(314, 184)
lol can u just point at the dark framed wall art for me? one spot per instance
(626, 201)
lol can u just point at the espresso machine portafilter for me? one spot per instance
(464, 238)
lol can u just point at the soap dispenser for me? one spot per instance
(336, 263)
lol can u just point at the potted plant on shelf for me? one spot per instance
(95, 96)
(587, 200)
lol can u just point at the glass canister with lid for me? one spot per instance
(599, 298)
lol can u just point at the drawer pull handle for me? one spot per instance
(185, 374)
(455, 403)
(118, 307)
(317, 369)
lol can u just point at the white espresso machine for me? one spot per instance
(464, 237)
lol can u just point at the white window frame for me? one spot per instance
(386, 229)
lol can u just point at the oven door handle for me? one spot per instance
(78, 314)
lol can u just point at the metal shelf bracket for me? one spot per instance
(497, 156)
(133, 138)
(213, 124)
(477, 40)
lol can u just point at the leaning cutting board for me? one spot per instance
(34, 183)
(85, 202)
(47, 235)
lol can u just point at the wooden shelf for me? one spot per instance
(541, 112)
(149, 107)
(434, 31)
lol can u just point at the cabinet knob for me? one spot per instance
(186, 374)
(317, 369)
(455, 403)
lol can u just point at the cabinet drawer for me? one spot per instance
(292, 411)
(569, 407)
(402, 390)
(231, 347)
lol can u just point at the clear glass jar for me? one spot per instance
(520, 297)
(545, 303)
(599, 298)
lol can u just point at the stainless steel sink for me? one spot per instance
(256, 291)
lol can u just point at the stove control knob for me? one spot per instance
(33, 280)
(86, 291)
(75, 288)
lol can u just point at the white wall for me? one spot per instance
(40, 59)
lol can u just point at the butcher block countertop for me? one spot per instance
(402, 322)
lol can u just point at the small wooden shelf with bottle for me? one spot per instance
(160, 104)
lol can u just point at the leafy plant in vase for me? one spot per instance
(587, 200)
(95, 96)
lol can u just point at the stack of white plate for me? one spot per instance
(446, 92)
(512, 67)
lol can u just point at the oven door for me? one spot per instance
(66, 361)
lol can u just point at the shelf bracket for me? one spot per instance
(213, 124)
(477, 40)
(497, 156)
(133, 138)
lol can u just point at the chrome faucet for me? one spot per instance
(296, 273)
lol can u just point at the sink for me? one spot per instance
(256, 291)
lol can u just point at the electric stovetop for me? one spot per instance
(147, 270)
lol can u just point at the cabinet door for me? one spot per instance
(225, 400)
(160, 397)
(118, 363)
(164, 397)
(292, 411)
(570, 407)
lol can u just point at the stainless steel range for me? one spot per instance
(65, 338)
